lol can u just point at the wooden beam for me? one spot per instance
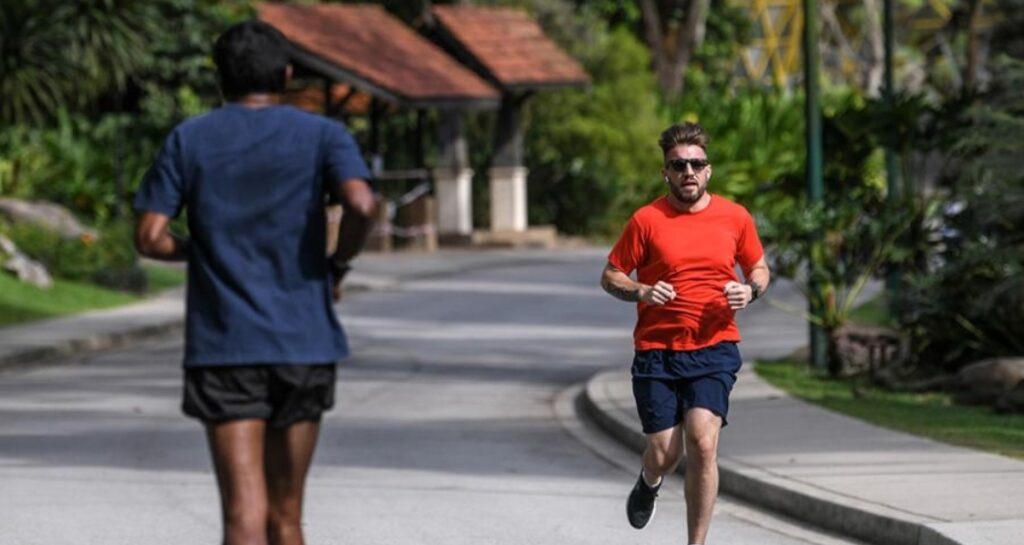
(419, 154)
(508, 133)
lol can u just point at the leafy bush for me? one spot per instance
(756, 143)
(55, 53)
(831, 250)
(968, 301)
(592, 153)
(108, 259)
(74, 163)
(98, 113)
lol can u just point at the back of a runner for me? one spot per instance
(261, 336)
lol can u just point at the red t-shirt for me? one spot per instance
(697, 253)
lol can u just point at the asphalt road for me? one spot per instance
(451, 428)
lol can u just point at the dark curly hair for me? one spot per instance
(690, 134)
(251, 57)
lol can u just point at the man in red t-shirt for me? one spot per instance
(684, 248)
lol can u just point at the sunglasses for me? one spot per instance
(679, 165)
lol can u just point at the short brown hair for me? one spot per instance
(686, 134)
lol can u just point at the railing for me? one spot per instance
(406, 215)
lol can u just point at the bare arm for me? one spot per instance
(154, 240)
(359, 206)
(620, 286)
(757, 279)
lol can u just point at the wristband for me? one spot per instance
(339, 270)
(755, 291)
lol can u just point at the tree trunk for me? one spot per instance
(971, 67)
(832, 357)
(692, 37)
(875, 71)
(672, 49)
(831, 328)
(654, 37)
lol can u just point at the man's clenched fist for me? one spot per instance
(738, 295)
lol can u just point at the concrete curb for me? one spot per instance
(826, 509)
(41, 356)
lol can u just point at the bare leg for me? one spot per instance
(702, 430)
(289, 453)
(663, 452)
(237, 449)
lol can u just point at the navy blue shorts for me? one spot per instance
(666, 383)
(280, 394)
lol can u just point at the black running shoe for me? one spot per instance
(640, 505)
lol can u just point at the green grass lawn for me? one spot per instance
(20, 302)
(930, 415)
(873, 312)
(162, 278)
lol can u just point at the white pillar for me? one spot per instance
(508, 198)
(453, 189)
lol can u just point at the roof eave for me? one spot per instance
(315, 63)
(456, 103)
(537, 86)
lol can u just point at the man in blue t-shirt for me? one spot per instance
(261, 336)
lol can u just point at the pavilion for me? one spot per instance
(493, 58)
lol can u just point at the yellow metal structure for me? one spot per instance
(773, 55)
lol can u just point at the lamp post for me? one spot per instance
(815, 186)
(892, 168)
(889, 94)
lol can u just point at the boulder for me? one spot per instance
(869, 349)
(989, 380)
(46, 215)
(1012, 401)
(27, 270)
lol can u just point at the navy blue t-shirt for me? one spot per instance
(253, 183)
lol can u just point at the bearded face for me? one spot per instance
(687, 172)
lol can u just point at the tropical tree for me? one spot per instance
(57, 54)
(674, 30)
(969, 302)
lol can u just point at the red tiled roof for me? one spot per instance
(365, 41)
(510, 45)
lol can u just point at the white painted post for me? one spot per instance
(508, 198)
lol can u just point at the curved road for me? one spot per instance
(450, 428)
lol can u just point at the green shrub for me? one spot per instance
(593, 154)
(756, 142)
(75, 163)
(107, 259)
(966, 302)
(831, 251)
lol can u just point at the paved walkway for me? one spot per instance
(41, 342)
(840, 473)
(778, 452)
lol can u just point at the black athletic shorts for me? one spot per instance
(280, 394)
(667, 383)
